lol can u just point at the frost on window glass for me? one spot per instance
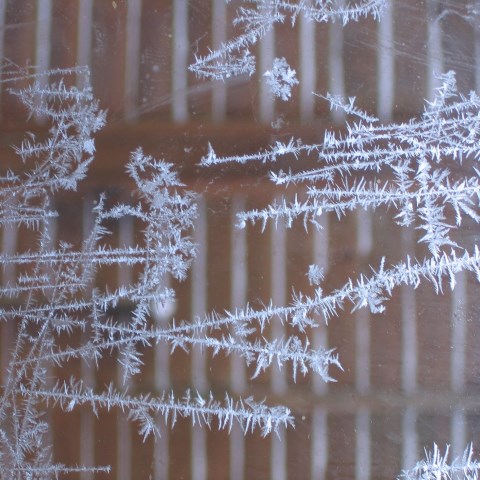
(251, 224)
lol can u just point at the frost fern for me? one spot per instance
(55, 306)
(259, 17)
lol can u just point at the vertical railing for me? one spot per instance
(3, 11)
(266, 54)
(319, 426)
(434, 46)
(409, 357)
(132, 59)
(458, 361)
(278, 383)
(161, 378)
(476, 45)
(219, 36)
(238, 379)
(364, 245)
(180, 51)
(43, 41)
(199, 462)
(84, 35)
(386, 63)
(308, 69)
(87, 428)
(336, 67)
(126, 236)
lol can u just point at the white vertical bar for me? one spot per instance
(44, 25)
(3, 9)
(162, 313)
(335, 64)
(278, 459)
(265, 62)
(199, 307)
(409, 322)
(476, 34)
(219, 36)
(124, 442)
(320, 258)
(237, 453)
(434, 47)
(362, 317)
(308, 68)
(362, 362)
(319, 443)
(409, 357)
(458, 360)
(386, 63)
(199, 464)
(364, 233)
(238, 379)
(278, 277)
(199, 293)
(410, 441)
(87, 431)
(459, 334)
(278, 248)
(42, 42)
(51, 230)
(161, 455)
(161, 378)
(84, 40)
(180, 61)
(458, 432)
(238, 267)
(9, 277)
(132, 58)
(161, 447)
(363, 444)
(9, 246)
(84, 36)
(321, 237)
(126, 237)
(319, 456)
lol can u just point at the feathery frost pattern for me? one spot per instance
(54, 304)
(416, 161)
(409, 168)
(436, 466)
(258, 17)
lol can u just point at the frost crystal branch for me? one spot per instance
(259, 17)
(55, 307)
(417, 161)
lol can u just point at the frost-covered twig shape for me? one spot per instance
(61, 160)
(56, 163)
(250, 415)
(416, 160)
(53, 303)
(260, 16)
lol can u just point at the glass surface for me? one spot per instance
(410, 373)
